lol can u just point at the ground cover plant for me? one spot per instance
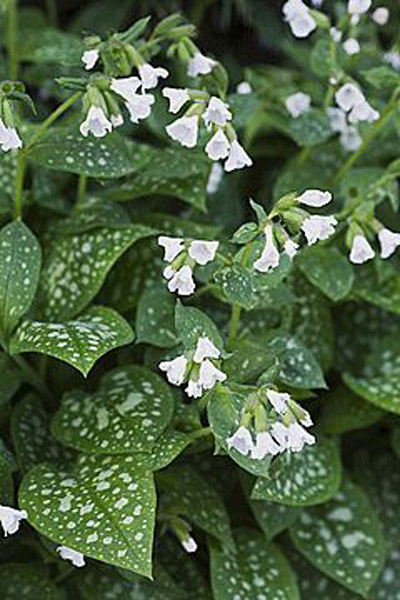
(199, 300)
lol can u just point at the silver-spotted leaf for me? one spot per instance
(328, 270)
(191, 324)
(155, 317)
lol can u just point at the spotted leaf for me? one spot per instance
(77, 265)
(257, 569)
(128, 413)
(155, 317)
(343, 538)
(80, 342)
(191, 324)
(103, 508)
(20, 260)
(304, 478)
(328, 270)
(8, 170)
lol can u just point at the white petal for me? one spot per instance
(139, 106)
(116, 120)
(185, 131)
(348, 96)
(205, 349)
(175, 369)
(95, 123)
(126, 87)
(315, 198)
(217, 112)
(193, 389)
(270, 257)
(241, 441)
(200, 65)
(244, 88)
(363, 112)
(351, 46)
(299, 437)
(265, 444)
(150, 75)
(389, 241)
(350, 139)
(90, 58)
(238, 158)
(358, 7)
(172, 246)
(361, 250)
(9, 138)
(209, 375)
(381, 15)
(298, 104)
(291, 248)
(337, 119)
(189, 545)
(10, 519)
(302, 25)
(77, 558)
(317, 228)
(182, 282)
(393, 59)
(218, 147)
(177, 98)
(279, 401)
(203, 252)
(281, 435)
(215, 178)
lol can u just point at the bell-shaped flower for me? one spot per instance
(315, 198)
(209, 375)
(194, 389)
(185, 131)
(361, 250)
(205, 349)
(363, 112)
(348, 96)
(298, 104)
(389, 241)
(358, 7)
(244, 88)
(116, 120)
(10, 519)
(215, 178)
(150, 75)
(189, 545)
(182, 281)
(298, 437)
(269, 258)
(381, 15)
(350, 139)
(126, 87)
(351, 46)
(95, 123)
(139, 106)
(280, 433)
(202, 251)
(241, 441)
(300, 20)
(77, 558)
(337, 119)
(175, 369)
(335, 34)
(265, 444)
(90, 58)
(200, 65)
(218, 147)
(217, 113)
(172, 246)
(279, 401)
(177, 98)
(238, 158)
(9, 138)
(290, 248)
(317, 228)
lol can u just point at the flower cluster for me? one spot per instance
(298, 220)
(299, 17)
(278, 430)
(361, 250)
(196, 368)
(182, 256)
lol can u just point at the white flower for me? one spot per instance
(269, 258)
(241, 441)
(126, 87)
(116, 120)
(172, 246)
(169, 272)
(203, 252)
(217, 112)
(298, 437)
(215, 177)
(299, 18)
(90, 58)
(139, 106)
(189, 544)
(182, 282)
(389, 241)
(348, 96)
(77, 558)
(292, 7)
(393, 59)
(218, 147)
(350, 139)
(351, 46)
(177, 98)
(336, 35)
(209, 375)
(281, 435)
(200, 65)
(9, 138)
(355, 19)
(337, 119)
(291, 248)
(10, 519)
(361, 250)
(363, 112)
(244, 88)
(194, 389)
(381, 15)
(150, 75)
(279, 401)
(95, 123)
(298, 104)
(175, 369)
(265, 444)
(318, 228)
(315, 198)
(185, 131)
(205, 349)
(358, 7)
(238, 158)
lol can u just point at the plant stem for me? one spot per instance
(31, 376)
(82, 185)
(386, 116)
(11, 39)
(199, 433)
(19, 184)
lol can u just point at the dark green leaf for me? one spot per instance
(328, 270)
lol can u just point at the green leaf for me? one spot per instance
(257, 568)
(6, 483)
(328, 270)
(382, 77)
(20, 260)
(10, 379)
(65, 149)
(248, 360)
(177, 227)
(385, 294)
(343, 411)
(238, 285)
(25, 582)
(352, 548)
(225, 409)
(103, 509)
(304, 478)
(80, 342)
(77, 265)
(130, 410)
(311, 128)
(191, 324)
(155, 322)
(94, 213)
(190, 495)
(8, 171)
(299, 368)
(49, 45)
(371, 184)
